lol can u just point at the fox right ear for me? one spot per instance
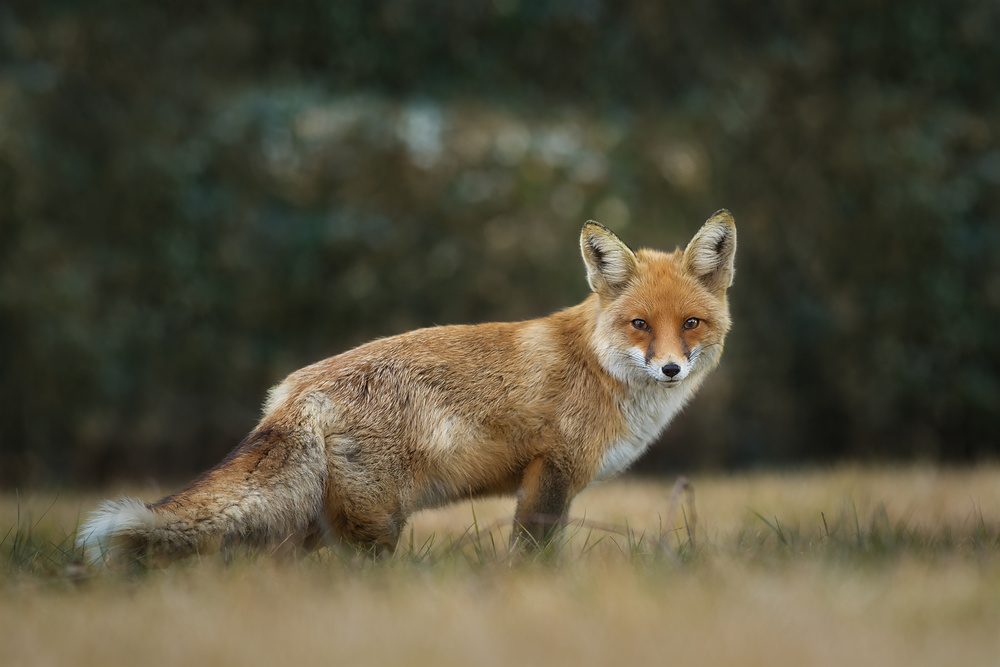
(610, 263)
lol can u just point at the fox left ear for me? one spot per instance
(711, 254)
(610, 263)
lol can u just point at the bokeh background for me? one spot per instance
(198, 198)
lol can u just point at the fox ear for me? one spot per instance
(711, 254)
(610, 263)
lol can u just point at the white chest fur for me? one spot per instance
(647, 412)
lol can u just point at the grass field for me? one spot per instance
(850, 566)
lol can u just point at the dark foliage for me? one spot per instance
(196, 199)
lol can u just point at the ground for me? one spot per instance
(847, 566)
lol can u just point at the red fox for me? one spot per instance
(349, 447)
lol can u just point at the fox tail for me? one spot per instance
(268, 490)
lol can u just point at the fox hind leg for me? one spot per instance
(362, 508)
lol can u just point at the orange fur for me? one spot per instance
(350, 446)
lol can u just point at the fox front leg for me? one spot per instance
(543, 501)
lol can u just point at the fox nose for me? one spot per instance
(671, 370)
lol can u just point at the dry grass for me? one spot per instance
(905, 570)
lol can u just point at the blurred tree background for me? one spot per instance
(198, 198)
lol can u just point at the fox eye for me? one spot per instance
(691, 323)
(640, 325)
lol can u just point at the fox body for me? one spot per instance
(349, 447)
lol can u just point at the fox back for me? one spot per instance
(349, 447)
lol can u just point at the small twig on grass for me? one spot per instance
(682, 485)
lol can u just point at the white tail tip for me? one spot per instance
(111, 519)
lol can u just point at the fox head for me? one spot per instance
(663, 317)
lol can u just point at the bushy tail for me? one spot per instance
(269, 489)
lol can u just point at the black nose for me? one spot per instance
(670, 370)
